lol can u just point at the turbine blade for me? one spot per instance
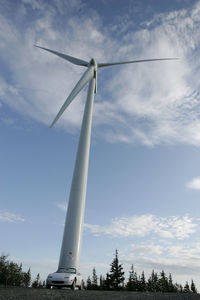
(72, 59)
(102, 65)
(81, 83)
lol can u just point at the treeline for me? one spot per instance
(11, 274)
(115, 280)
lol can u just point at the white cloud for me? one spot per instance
(62, 206)
(148, 103)
(10, 217)
(169, 228)
(179, 258)
(9, 34)
(194, 184)
(147, 249)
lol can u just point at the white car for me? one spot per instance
(64, 278)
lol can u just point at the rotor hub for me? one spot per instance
(93, 63)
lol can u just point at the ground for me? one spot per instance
(44, 294)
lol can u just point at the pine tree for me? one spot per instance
(11, 273)
(142, 283)
(27, 278)
(101, 282)
(171, 287)
(152, 284)
(132, 280)
(14, 274)
(186, 288)
(4, 264)
(179, 288)
(94, 279)
(89, 283)
(107, 282)
(116, 273)
(193, 287)
(36, 283)
(163, 282)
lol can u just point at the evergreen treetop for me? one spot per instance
(94, 279)
(116, 275)
(132, 280)
(193, 287)
(89, 283)
(186, 288)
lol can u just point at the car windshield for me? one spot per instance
(68, 270)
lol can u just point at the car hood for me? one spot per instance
(60, 276)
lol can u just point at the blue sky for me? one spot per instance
(143, 194)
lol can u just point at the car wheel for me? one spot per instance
(48, 286)
(73, 285)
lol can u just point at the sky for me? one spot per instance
(143, 192)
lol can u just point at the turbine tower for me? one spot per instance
(71, 243)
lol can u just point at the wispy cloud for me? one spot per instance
(194, 184)
(10, 217)
(61, 206)
(148, 103)
(147, 249)
(179, 258)
(174, 227)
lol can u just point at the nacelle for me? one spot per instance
(93, 63)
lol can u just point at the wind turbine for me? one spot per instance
(71, 243)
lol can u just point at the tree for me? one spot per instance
(116, 275)
(36, 283)
(171, 287)
(193, 287)
(107, 282)
(15, 274)
(142, 283)
(152, 284)
(179, 288)
(4, 264)
(89, 283)
(186, 288)
(132, 280)
(94, 279)
(163, 282)
(11, 273)
(27, 278)
(101, 282)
